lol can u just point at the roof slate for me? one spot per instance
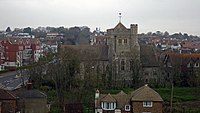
(147, 56)
(31, 94)
(90, 52)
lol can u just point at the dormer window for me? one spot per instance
(196, 65)
(127, 107)
(108, 105)
(147, 104)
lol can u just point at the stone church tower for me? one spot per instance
(123, 50)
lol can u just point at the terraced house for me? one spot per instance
(142, 100)
(15, 51)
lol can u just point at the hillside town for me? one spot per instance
(74, 70)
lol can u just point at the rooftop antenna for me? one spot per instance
(120, 17)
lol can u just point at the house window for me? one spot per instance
(147, 104)
(108, 105)
(122, 64)
(189, 65)
(125, 41)
(196, 65)
(127, 107)
(119, 41)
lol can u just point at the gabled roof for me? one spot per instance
(108, 98)
(89, 52)
(181, 59)
(120, 26)
(122, 99)
(145, 93)
(6, 95)
(147, 56)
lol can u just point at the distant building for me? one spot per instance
(54, 36)
(142, 100)
(99, 40)
(18, 51)
(186, 66)
(122, 55)
(24, 35)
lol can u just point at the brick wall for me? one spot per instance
(137, 107)
(8, 106)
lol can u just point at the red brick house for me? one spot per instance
(18, 51)
(7, 102)
(146, 100)
(142, 100)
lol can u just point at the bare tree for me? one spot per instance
(135, 66)
(63, 72)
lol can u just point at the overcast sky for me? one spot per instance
(150, 15)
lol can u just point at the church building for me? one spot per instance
(124, 50)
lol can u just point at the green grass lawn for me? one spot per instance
(181, 94)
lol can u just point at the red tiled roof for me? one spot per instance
(181, 59)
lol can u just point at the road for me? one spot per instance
(10, 81)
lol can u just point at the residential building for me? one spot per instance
(32, 101)
(54, 36)
(142, 100)
(99, 40)
(18, 51)
(7, 102)
(184, 66)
